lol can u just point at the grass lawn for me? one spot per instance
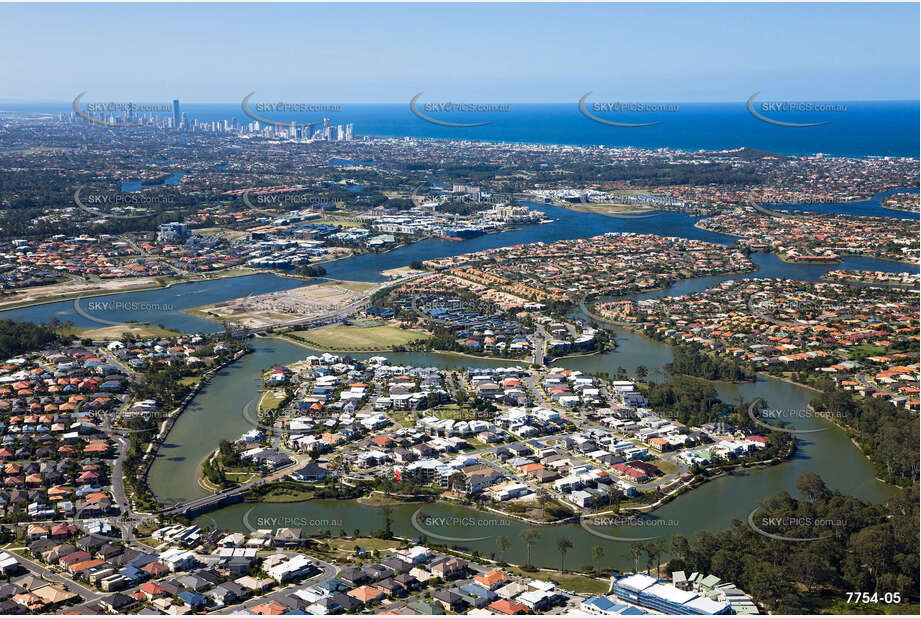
(352, 286)
(615, 208)
(238, 271)
(118, 331)
(665, 466)
(221, 231)
(189, 381)
(860, 352)
(271, 399)
(341, 337)
(349, 545)
(454, 412)
(145, 528)
(239, 477)
(570, 581)
(475, 444)
(279, 495)
(343, 221)
(381, 500)
(406, 419)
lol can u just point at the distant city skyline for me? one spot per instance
(503, 53)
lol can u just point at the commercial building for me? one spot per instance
(649, 592)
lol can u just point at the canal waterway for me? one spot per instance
(713, 506)
(164, 306)
(872, 207)
(217, 412)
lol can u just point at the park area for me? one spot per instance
(364, 338)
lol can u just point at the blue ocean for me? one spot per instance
(863, 128)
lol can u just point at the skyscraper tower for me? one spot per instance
(177, 116)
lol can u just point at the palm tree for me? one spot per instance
(502, 544)
(530, 537)
(597, 553)
(563, 545)
(636, 550)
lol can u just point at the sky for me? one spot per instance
(505, 53)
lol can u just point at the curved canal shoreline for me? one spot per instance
(709, 493)
(596, 358)
(211, 415)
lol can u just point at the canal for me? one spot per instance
(217, 412)
(712, 507)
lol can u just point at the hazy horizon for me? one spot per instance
(514, 53)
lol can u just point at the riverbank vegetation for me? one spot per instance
(19, 337)
(164, 383)
(689, 401)
(839, 544)
(136, 488)
(280, 492)
(215, 468)
(693, 362)
(887, 435)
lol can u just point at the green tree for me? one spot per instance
(502, 544)
(812, 486)
(388, 522)
(597, 553)
(654, 549)
(636, 550)
(680, 547)
(530, 536)
(563, 545)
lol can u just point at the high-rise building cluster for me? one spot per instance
(177, 120)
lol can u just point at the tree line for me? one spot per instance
(693, 362)
(857, 547)
(689, 401)
(888, 434)
(19, 337)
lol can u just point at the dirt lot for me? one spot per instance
(287, 305)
